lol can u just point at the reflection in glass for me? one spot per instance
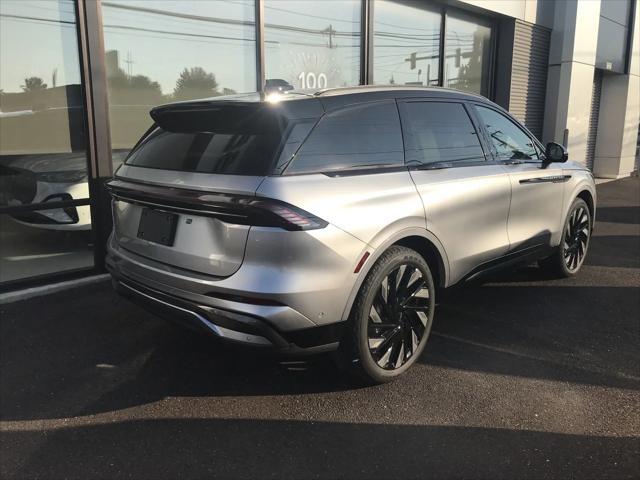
(611, 53)
(406, 43)
(42, 139)
(439, 132)
(26, 251)
(160, 51)
(467, 54)
(508, 140)
(360, 136)
(312, 44)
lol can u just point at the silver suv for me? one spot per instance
(309, 222)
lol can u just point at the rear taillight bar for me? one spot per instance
(237, 209)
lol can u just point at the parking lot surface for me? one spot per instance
(523, 377)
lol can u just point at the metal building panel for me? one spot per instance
(529, 74)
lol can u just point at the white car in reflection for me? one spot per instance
(48, 178)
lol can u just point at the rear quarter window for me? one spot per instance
(357, 136)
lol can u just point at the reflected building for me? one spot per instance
(78, 78)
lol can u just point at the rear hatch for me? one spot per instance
(184, 195)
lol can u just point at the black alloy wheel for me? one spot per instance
(576, 238)
(568, 258)
(391, 317)
(398, 317)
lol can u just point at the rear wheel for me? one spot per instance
(570, 255)
(391, 317)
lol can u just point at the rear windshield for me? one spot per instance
(222, 140)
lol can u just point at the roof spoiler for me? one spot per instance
(219, 117)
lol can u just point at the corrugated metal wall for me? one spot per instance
(594, 114)
(529, 74)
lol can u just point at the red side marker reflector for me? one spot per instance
(361, 262)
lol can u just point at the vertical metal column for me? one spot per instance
(366, 42)
(94, 79)
(443, 29)
(260, 67)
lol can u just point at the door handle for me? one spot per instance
(548, 179)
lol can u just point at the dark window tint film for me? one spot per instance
(439, 132)
(360, 136)
(211, 142)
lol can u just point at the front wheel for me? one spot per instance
(570, 255)
(391, 317)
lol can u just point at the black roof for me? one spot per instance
(310, 103)
(393, 91)
(334, 97)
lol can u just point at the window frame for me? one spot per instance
(486, 151)
(489, 21)
(444, 9)
(536, 143)
(349, 171)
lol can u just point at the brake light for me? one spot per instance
(287, 216)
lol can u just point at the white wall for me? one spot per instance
(619, 117)
(570, 79)
(533, 11)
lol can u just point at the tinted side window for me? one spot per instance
(439, 132)
(355, 136)
(298, 133)
(509, 141)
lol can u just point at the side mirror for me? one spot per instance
(555, 153)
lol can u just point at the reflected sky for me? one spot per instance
(399, 31)
(160, 38)
(45, 32)
(313, 44)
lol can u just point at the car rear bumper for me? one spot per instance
(234, 326)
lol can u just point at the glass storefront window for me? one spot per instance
(42, 140)
(44, 242)
(406, 43)
(312, 44)
(159, 51)
(467, 60)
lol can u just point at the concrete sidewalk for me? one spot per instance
(524, 377)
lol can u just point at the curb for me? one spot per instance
(28, 293)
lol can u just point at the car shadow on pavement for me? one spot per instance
(199, 448)
(627, 214)
(616, 251)
(119, 356)
(108, 354)
(579, 334)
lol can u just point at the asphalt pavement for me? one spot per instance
(523, 377)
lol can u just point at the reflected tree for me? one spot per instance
(33, 84)
(134, 90)
(195, 82)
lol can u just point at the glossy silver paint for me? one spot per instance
(471, 215)
(467, 210)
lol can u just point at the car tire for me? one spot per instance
(569, 256)
(391, 317)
